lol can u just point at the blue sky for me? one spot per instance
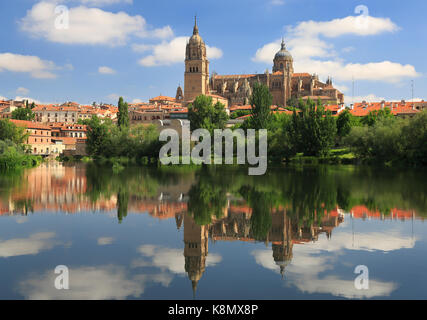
(135, 48)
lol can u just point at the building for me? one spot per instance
(72, 112)
(401, 109)
(283, 83)
(39, 139)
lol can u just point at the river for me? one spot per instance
(213, 233)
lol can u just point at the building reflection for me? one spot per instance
(70, 189)
(284, 233)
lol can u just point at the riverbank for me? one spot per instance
(338, 156)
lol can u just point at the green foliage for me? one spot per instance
(105, 140)
(392, 140)
(23, 114)
(280, 143)
(261, 101)
(123, 114)
(9, 131)
(344, 123)
(13, 157)
(376, 116)
(203, 114)
(239, 113)
(313, 129)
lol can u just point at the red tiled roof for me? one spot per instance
(237, 76)
(29, 124)
(304, 74)
(162, 98)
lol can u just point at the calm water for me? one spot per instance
(215, 233)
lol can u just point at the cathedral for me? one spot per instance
(283, 83)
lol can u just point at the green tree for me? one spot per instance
(23, 114)
(9, 131)
(97, 136)
(344, 123)
(203, 114)
(260, 101)
(377, 115)
(313, 129)
(123, 114)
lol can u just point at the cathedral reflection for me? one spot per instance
(236, 226)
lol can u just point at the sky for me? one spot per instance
(87, 51)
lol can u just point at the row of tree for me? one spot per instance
(106, 139)
(313, 131)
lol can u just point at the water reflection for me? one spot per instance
(284, 209)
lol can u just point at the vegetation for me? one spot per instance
(123, 115)
(261, 101)
(307, 193)
(203, 114)
(13, 151)
(313, 129)
(391, 140)
(24, 114)
(110, 143)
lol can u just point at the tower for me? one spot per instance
(196, 77)
(283, 64)
(195, 250)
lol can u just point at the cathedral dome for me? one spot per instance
(283, 53)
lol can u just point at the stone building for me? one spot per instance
(283, 83)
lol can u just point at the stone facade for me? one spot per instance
(283, 83)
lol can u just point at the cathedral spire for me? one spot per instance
(196, 28)
(194, 285)
(283, 46)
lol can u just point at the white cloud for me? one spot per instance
(27, 246)
(368, 98)
(103, 241)
(170, 52)
(313, 262)
(22, 91)
(90, 283)
(356, 25)
(100, 3)
(91, 26)
(36, 67)
(169, 259)
(106, 70)
(313, 54)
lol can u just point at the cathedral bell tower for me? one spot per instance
(196, 77)
(284, 63)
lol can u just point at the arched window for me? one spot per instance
(281, 66)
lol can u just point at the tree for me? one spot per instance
(377, 115)
(23, 114)
(344, 123)
(260, 101)
(9, 131)
(97, 136)
(313, 129)
(203, 114)
(123, 114)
